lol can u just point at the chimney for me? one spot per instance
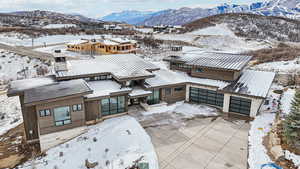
(60, 63)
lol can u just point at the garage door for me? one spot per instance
(210, 97)
(240, 105)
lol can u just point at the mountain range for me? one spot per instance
(52, 15)
(283, 8)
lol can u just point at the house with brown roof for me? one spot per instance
(103, 46)
(83, 92)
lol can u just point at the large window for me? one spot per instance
(62, 115)
(154, 97)
(240, 105)
(206, 96)
(113, 105)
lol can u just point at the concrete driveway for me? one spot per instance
(202, 143)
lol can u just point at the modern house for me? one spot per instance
(83, 92)
(167, 28)
(103, 46)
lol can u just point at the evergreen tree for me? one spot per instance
(291, 124)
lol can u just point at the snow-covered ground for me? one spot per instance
(63, 49)
(145, 30)
(186, 109)
(10, 113)
(217, 38)
(13, 66)
(114, 143)
(286, 100)
(280, 67)
(15, 40)
(260, 128)
(257, 151)
(293, 157)
(57, 26)
(219, 29)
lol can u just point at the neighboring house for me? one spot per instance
(83, 92)
(167, 29)
(126, 26)
(103, 46)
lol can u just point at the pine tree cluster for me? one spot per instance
(291, 124)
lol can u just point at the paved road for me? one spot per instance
(47, 45)
(25, 51)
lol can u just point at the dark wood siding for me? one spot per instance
(214, 74)
(47, 123)
(92, 110)
(30, 121)
(172, 94)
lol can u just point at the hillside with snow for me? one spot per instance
(252, 26)
(13, 67)
(217, 38)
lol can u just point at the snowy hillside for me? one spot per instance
(10, 113)
(13, 66)
(216, 38)
(252, 26)
(56, 26)
(16, 39)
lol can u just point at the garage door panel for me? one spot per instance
(240, 105)
(206, 96)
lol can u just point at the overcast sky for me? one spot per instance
(98, 8)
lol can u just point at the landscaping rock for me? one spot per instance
(89, 164)
(277, 152)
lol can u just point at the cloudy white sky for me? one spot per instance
(98, 8)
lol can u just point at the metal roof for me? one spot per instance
(19, 86)
(120, 65)
(56, 90)
(213, 60)
(253, 83)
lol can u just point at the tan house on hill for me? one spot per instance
(103, 46)
(83, 92)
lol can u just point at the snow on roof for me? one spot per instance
(167, 77)
(121, 40)
(213, 60)
(18, 86)
(120, 65)
(77, 42)
(56, 90)
(105, 88)
(254, 83)
(109, 42)
(138, 91)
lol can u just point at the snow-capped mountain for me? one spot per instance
(283, 8)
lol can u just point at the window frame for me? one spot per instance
(44, 112)
(77, 107)
(179, 89)
(113, 105)
(168, 91)
(65, 121)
